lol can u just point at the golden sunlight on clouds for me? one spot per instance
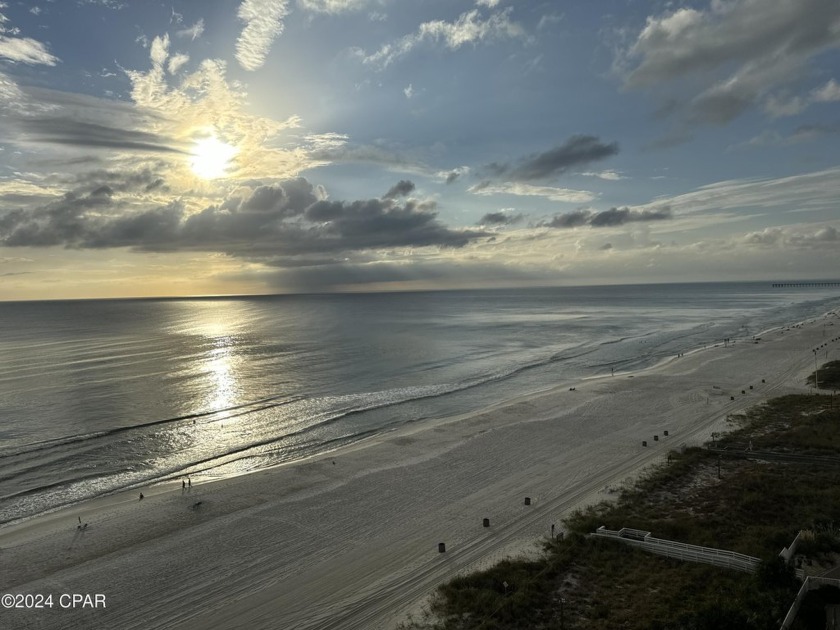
(205, 102)
(211, 157)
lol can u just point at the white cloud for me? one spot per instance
(787, 105)
(640, 253)
(160, 50)
(332, 6)
(809, 191)
(778, 106)
(470, 27)
(110, 4)
(803, 133)
(486, 3)
(828, 93)
(152, 134)
(263, 23)
(11, 96)
(549, 19)
(409, 91)
(766, 138)
(657, 44)
(193, 32)
(553, 193)
(26, 50)
(332, 148)
(452, 175)
(794, 236)
(177, 62)
(204, 102)
(738, 52)
(608, 175)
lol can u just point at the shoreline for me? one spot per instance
(210, 474)
(353, 544)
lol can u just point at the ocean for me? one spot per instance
(100, 396)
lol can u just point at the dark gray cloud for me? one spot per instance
(154, 230)
(58, 222)
(500, 218)
(53, 117)
(569, 219)
(577, 151)
(66, 131)
(402, 188)
(381, 223)
(285, 219)
(608, 218)
(145, 179)
(620, 216)
(277, 201)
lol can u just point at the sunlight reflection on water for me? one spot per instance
(107, 395)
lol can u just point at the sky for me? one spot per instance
(202, 147)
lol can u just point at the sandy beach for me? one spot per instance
(350, 539)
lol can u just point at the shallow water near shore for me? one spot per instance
(100, 396)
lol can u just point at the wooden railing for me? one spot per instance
(810, 583)
(681, 551)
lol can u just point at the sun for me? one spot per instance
(211, 157)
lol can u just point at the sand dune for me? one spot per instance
(354, 544)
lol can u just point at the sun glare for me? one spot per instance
(211, 157)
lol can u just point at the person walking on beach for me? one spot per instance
(141, 496)
(183, 485)
(189, 482)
